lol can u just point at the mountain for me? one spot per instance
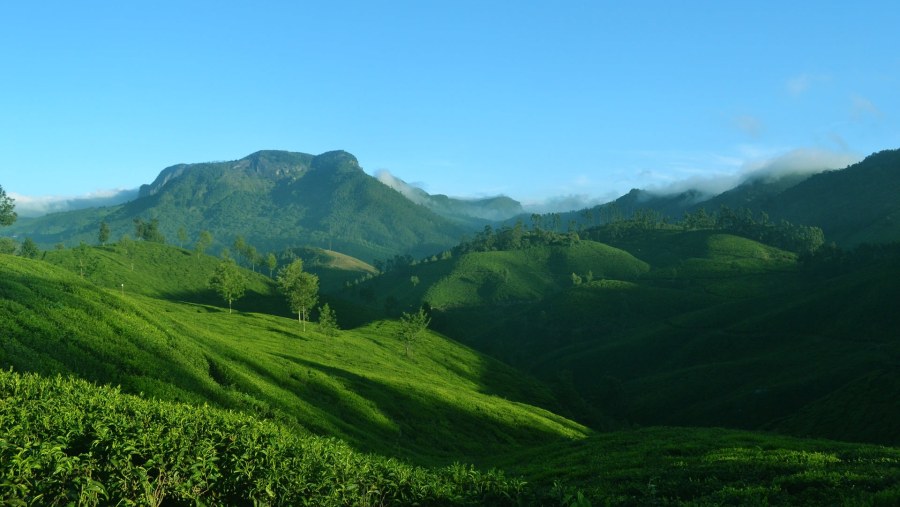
(495, 208)
(854, 205)
(275, 200)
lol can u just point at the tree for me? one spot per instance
(8, 246)
(272, 263)
(148, 231)
(300, 288)
(203, 241)
(29, 249)
(327, 321)
(103, 235)
(412, 325)
(7, 208)
(228, 282)
(126, 248)
(85, 261)
(182, 237)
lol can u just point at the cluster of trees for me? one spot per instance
(146, 231)
(516, 237)
(801, 239)
(797, 238)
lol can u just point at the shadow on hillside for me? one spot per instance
(427, 429)
(252, 301)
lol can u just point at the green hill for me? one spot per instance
(357, 385)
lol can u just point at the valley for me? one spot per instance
(613, 355)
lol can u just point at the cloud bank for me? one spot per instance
(35, 206)
(803, 161)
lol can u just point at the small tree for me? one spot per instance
(85, 262)
(125, 246)
(327, 321)
(29, 249)
(103, 235)
(7, 209)
(300, 288)
(203, 241)
(271, 263)
(8, 246)
(182, 237)
(412, 325)
(228, 282)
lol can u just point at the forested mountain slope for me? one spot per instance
(274, 200)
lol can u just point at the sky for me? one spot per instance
(546, 102)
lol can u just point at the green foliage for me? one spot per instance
(204, 240)
(696, 466)
(328, 321)
(412, 325)
(29, 249)
(228, 282)
(86, 263)
(148, 231)
(446, 404)
(67, 441)
(301, 289)
(7, 208)
(8, 246)
(103, 234)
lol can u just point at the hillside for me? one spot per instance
(358, 385)
(697, 328)
(275, 200)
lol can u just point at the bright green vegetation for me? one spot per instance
(67, 441)
(357, 385)
(662, 327)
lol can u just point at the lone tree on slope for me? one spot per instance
(300, 288)
(412, 325)
(228, 282)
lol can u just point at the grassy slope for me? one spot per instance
(357, 385)
(478, 279)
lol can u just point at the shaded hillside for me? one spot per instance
(273, 199)
(704, 328)
(855, 205)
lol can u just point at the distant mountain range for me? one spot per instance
(280, 199)
(858, 204)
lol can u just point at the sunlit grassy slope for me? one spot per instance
(358, 385)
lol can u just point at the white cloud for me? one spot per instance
(35, 206)
(798, 161)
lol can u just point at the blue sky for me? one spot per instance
(535, 100)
